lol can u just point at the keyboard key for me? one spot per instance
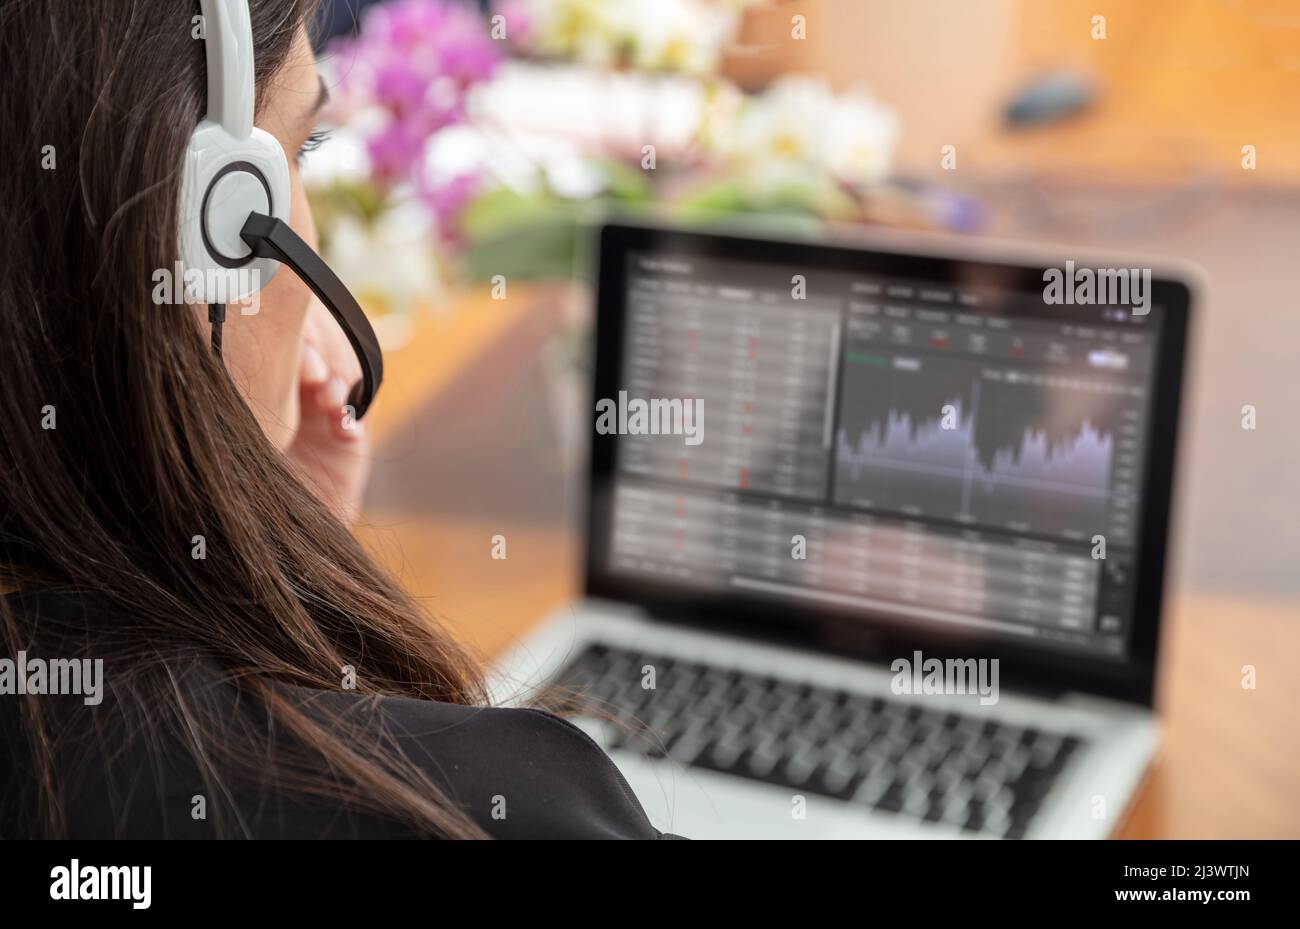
(891, 800)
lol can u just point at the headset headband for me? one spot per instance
(228, 40)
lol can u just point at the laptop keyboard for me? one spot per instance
(981, 776)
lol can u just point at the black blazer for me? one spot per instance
(518, 773)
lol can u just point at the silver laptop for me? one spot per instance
(875, 536)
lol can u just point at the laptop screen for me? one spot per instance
(952, 452)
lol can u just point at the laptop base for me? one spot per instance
(1113, 742)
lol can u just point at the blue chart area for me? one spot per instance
(992, 447)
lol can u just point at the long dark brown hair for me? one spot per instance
(152, 445)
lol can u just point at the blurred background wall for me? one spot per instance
(1177, 80)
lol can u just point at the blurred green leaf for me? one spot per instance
(544, 248)
(501, 209)
(626, 183)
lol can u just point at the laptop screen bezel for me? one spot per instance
(859, 636)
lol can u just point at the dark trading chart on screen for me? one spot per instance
(948, 452)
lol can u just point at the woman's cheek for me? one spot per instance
(301, 218)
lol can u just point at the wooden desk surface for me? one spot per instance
(461, 459)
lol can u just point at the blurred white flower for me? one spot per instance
(685, 36)
(678, 35)
(860, 139)
(389, 264)
(549, 112)
(580, 29)
(801, 122)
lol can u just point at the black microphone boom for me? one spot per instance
(272, 238)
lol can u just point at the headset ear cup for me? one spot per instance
(225, 179)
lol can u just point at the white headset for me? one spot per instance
(234, 204)
(232, 168)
